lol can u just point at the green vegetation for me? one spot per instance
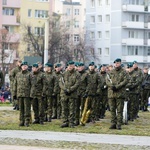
(10, 121)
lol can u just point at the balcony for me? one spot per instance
(132, 41)
(133, 8)
(12, 4)
(133, 24)
(10, 20)
(130, 58)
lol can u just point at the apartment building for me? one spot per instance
(120, 29)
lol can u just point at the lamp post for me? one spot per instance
(46, 41)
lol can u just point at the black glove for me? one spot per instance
(114, 88)
(85, 96)
(15, 97)
(54, 95)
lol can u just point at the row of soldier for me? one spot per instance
(71, 94)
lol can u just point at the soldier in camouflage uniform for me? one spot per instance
(69, 84)
(131, 89)
(138, 73)
(116, 82)
(21, 90)
(37, 92)
(93, 91)
(104, 95)
(49, 88)
(56, 94)
(12, 76)
(81, 91)
(145, 89)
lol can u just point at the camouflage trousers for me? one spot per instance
(116, 104)
(144, 100)
(48, 100)
(68, 110)
(25, 109)
(57, 106)
(38, 108)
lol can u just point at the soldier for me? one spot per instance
(145, 89)
(81, 91)
(104, 95)
(49, 89)
(93, 91)
(12, 76)
(139, 75)
(69, 84)
(116, 82)
(1, 79)
(22, 86)
(56, 94)
(37, 92)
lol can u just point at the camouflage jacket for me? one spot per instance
(117, 78)
(93, 83)
(57, 75)
(83, 83)
(49, 83)
(132, 82)
(22, 84)
(1, 79)
(146, 82)
(37, 84)
(70, 81)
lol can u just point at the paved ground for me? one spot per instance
(76, 137)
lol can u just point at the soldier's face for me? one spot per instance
(71, 67)
(24, 67)
(117, 64)
(47, 69)
(58, 69)
(145, 70)
(103, 69)
(91, 67)
(34, 69)
(80, 68)
(135, 65)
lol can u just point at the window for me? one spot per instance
(76, 37)
(107, 35)
(92, 19)
(29, 29)
(67, 37)
(41, 13)
(99, 18)
(107, 2)
(29, 13)
(8, 11)
(76, 24)
(134, 2)
(68, 24)
(76, 12)
(92, 35)
(99, 34)
(106, 51)
(99, 2)
(148, 51)
(133, 34)
(5, 46)
(135, 18)
(9, 28)
(136, 50)
(4, 2)
(68, 12)
(148, 35)
(107, 18)
(38, 31)
(133, 50)
(100, 51)
(93, 3)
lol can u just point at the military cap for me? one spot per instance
(134, 62)
(91, 63)
(76, 64)
(81, 64)
(70, 62)
(35, 65)
(130, 65)
(117, 60)
(48, 65)
(24, 63)
(58, 65)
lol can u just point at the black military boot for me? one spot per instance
(64, 125)
(113, 126)
(72, 125)
(119, 127)
(26, 124)
(21, 124)
(45, 118)
(49, 119)
(77, 123)
(41, 123)
(36, 122)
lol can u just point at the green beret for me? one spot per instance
(134, 62)
(122, 65)
(48, 65)
(117, 60)
(58, 65)
(81, 64)
(129, 65)
(76, 64)
(35, 65)
(24, 63)
(70, 62)
(91, 63)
